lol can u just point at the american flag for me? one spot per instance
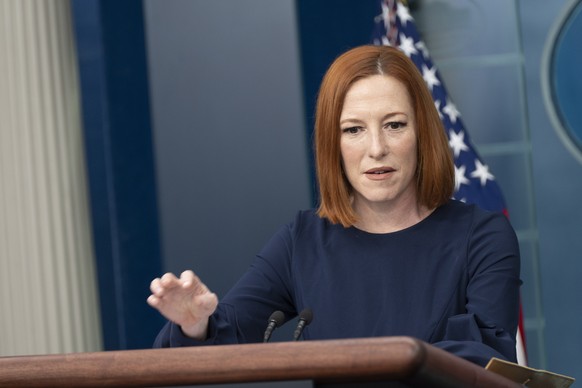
(474, 183)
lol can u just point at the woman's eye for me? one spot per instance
(395, 125)
(351, 130)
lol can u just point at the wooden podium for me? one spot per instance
(385, 361)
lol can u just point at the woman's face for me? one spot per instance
(378, 142)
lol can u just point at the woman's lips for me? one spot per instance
(379, 173)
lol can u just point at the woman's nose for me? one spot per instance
(378, 146)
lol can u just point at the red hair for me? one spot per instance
(435, 173)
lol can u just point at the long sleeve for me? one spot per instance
(489, 326)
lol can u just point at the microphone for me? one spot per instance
(305, 318)
(275, 320)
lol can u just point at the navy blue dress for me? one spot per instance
(451, 280)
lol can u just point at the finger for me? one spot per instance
(207, 303)
(188, 278)
(169, 280)
(156, 287)
(153, 301)
(193, 283)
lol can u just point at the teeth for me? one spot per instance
(379, 172)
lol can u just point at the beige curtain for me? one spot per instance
(48, 291)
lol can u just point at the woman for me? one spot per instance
(387, 252)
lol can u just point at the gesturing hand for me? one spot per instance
(185, 301)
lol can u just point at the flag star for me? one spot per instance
(403, 13)
(430, 77)
(437, 105)
(451, 110)
(482, 172)
(386, 41)
(457, 142)
(422, 47)
(460, 178)
(407, 45)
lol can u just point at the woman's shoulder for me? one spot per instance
(467, 221)
(308, 215)
(305, 227)
(455, 211)
(308, 219)
(308, 225)
(479, 223)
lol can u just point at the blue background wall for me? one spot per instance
(231, 88)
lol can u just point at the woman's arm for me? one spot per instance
(489, 327)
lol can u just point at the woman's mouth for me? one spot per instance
(379, 173)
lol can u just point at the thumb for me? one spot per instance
(207, 303)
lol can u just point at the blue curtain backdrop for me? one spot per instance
(118, 140)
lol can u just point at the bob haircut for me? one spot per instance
(435, 173)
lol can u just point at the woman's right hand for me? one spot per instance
(186, 301)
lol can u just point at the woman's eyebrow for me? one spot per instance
(357, 120)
